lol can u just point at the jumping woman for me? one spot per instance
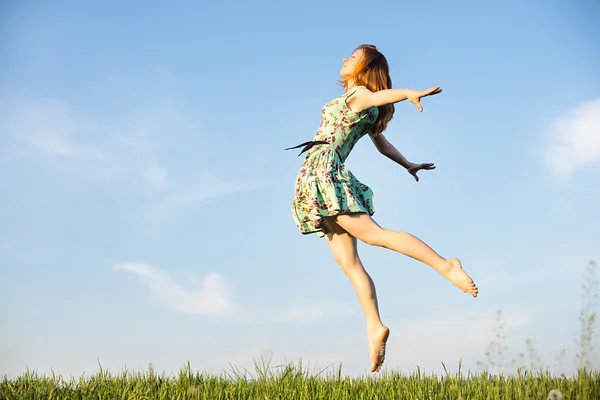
(331, 202)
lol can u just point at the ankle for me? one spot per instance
(375, 327)
(443, 265)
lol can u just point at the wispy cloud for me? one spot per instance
(125, 151)
(156, 176)
(48, 126)
(498, 277)
(178, 196)
(211, 298)
(311, 311)
(50, 132)
(575, 140)
(209, 186)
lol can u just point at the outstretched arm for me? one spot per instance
(388, 150)
(364, 99)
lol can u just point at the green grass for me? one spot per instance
(295, 382)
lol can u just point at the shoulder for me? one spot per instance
(360, 99)
(360, 92)
(357, 98)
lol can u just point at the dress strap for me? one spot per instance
(351, 92)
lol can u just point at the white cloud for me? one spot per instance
(313, 311)
(575, 140)
(212, 298)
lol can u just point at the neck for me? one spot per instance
(351, 84)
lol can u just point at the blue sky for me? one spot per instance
(145, 193)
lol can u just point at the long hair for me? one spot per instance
(373, 72)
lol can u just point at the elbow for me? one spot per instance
(384, 150)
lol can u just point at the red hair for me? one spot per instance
(373, 72)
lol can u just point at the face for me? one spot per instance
(350, 64)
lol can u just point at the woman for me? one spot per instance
(331, 202)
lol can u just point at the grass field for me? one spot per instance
(294, 382)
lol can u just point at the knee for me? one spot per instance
(348, 264)
(374, 237)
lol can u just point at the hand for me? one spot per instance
(418, 94)
(414, 168)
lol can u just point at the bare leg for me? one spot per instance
(364, 228)
(344, 250)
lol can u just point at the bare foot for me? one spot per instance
(455, 274)
(377, 341)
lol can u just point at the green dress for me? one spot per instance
(324, 186)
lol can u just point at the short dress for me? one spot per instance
(324, 186)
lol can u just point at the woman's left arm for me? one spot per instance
(388, 150)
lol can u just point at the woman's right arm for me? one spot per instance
(364, 99)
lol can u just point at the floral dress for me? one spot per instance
(324, 186)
